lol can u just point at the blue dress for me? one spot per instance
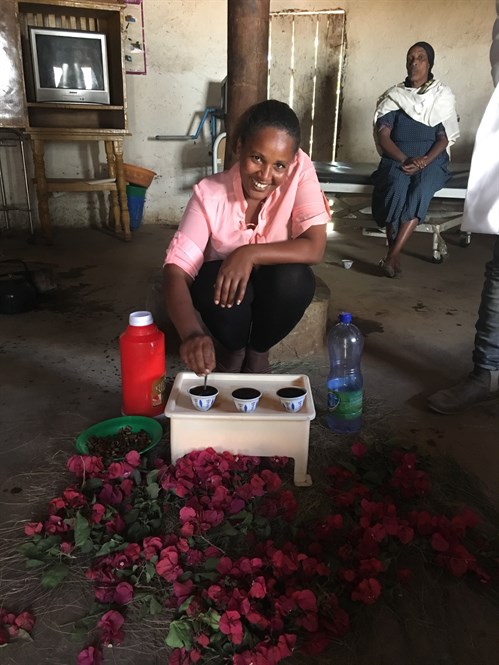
(397, 196)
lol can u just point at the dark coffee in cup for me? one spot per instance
(203, 391)
(246, 393)
(291, 392)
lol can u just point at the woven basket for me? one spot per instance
(137, 175)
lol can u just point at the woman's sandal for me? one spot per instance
(387, 269)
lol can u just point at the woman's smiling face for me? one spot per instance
(264, 161)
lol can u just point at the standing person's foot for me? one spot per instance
(480, 386)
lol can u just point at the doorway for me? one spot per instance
(307, 74)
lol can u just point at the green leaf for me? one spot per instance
(155, 607)
(92, 485)
(153, 490)
(211, 619)
(150, 570)
(54, 577)
(138, 531)
(211, 563)
(151, 476)
(131, 516)
(82, 530)
(34, 563)
(179, 635)
(112, 545)
(183, 608)
(30, 550)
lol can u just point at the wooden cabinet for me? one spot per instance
(63, 121)
(12, 101)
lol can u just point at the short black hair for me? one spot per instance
(269, 113)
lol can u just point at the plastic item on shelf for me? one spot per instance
(143, 366)
(345, 381)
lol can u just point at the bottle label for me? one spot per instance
(345, 404)
(158, 391)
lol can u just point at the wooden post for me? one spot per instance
(247, 61)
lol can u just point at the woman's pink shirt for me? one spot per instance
(213, 224)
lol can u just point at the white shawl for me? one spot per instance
(437, 104)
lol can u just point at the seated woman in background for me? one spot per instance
(241, 256)
(414, 124)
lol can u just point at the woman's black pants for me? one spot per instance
(275, 300)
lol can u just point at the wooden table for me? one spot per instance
(115, 183)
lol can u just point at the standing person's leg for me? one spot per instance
(483, 382)
(230, 326)
(282, 293)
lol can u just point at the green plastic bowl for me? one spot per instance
(114, 425)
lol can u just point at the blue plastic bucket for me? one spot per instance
(136, 197)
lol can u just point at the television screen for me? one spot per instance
(69, 66)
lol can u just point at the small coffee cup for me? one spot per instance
(292, 398)
(203, 397)
(347, 263)
(246, 399)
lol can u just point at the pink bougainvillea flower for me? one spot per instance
(127, 485)
(358, 450)
(66, 547)
(271, 479)
(258, 588)
(90, 656)
(110, 494)
(202, 639)
(133, 458)
(370, 567)
(57, 504)
(33, 528)
(73, 498)
(439, 543)
(182, 590)
(230, 625)
(98, 511)
(123, 593)
(88, 466)
(168, 565)
(151, 546)
(110, 625)
(55, 524)
(367, 591)
(305, 599)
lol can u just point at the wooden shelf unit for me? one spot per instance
(105, 17)
(54, 121)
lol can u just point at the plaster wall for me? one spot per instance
(186, 61)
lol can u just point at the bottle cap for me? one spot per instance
(140, 319)
(345, 317)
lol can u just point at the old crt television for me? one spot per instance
(69, 66)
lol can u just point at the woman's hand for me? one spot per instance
(414, 164)
(198, 353)
(233, 277)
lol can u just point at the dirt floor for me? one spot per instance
(59, 368)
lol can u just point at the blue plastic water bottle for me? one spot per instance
(344, 383)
